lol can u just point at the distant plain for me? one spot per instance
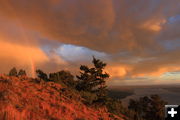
(169, 93)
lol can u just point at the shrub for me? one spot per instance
(13, 72)
(22, 72)
(42, 75)
(63, 77)
(115, 106)
(88, 97)
(149, 108)
(79, 119)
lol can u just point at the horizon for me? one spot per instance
(139, 41)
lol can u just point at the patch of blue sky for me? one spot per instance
(171, 44)
(171, 75)
(174, 19)
(78, 53)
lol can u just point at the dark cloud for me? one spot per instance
(138, 37)
(124, 25)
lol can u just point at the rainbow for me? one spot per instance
(31, 65)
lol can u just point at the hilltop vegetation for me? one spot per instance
(59, 96)
(24, 98)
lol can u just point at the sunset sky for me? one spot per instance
(138, 39)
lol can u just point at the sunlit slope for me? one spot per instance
(23, 98)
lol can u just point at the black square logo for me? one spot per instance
(172, 112)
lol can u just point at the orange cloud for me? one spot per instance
(158, 72)
(135, 28)
(17, 55)
(118, 71)
(154, 25)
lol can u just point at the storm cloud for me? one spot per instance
(136, 38)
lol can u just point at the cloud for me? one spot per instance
(20, 56)
(136, 38)
(94, 23)
(154, 25)
(64, 21)
(117, 71)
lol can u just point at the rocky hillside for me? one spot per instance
(23, 98)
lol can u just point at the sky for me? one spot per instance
(139, 40)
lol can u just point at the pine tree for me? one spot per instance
(22, 72)
(63, 77)
(13, 72)
(156, 108)
(93, 80)
(42, 75)
(148, 108)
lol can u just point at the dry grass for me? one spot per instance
(23, 98)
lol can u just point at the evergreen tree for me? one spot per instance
(63, 77)
(13, 72)
(42, 75)
(156, 108)
(115, 106)
(148, 108)
(93, 80)
(22, 72)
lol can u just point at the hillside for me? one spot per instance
(23, 98)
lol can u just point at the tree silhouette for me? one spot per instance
(13, 72)
(63, 77)
(148, 108)
(22, 72)
(93, 80)
(42, 75)
(156, 108)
